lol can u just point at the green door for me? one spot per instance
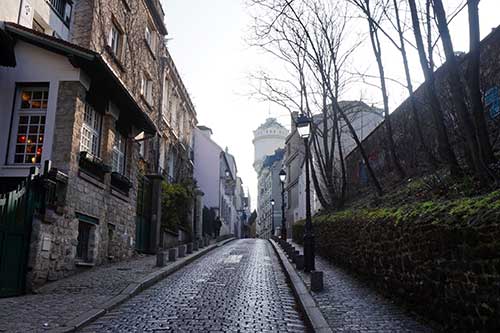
(16, 212)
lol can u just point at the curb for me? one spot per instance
(134, 288)
(306, 302)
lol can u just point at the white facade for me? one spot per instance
(267, 138)
(39, 67)
(53, 18)
(207, 156)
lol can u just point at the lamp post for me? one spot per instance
(282, 175)
(272, 217)
(304, 129)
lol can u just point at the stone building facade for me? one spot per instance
(117, 121)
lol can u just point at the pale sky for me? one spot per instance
(207, 42)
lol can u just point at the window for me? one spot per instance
(82, 248)
(30, 123)
(147, 88)
(150, 37)
(118, 155)
(91, 131)
(63, 8)
(115, 40)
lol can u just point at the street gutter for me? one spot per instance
(307, 304)
(134, 288)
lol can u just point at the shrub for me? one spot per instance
(175, 204)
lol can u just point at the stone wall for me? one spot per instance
(449, 273)
(55, 234)
(408, 147)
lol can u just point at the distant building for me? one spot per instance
(363, 118)
(267, 138)
(216, 176)
(269, 141)
(269, 186)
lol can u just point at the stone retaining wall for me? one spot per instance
(450, 274)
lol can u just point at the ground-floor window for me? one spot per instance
(29, 124)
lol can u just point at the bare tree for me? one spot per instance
(317, 33)
(474, 85)
(444, 147)
(467, 123)
(373, 20)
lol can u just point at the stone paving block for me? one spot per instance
(172, 254)
(214, 294)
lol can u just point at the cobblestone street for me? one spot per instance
(238, 287)
(349, 305)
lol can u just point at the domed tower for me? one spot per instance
(267, 138)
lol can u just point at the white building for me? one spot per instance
(267, 138)
(216, 172)
(269, 141)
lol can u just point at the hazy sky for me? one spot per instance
(207, 42)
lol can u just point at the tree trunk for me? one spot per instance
(458, 93)
(474, 84)
(444, 146)
(388, 126)
(418, 126)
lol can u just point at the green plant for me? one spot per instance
(175, 203)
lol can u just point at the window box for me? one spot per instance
(120, 182)
(93, 166)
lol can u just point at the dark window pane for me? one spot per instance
(22, 129)
(19, 159)
(32, 139)
(20, 149)
(34, 120)
(42, 129)
(40, 139)
(30, 159)
(30, 149)
(25, 99)
(38, 158)
(23, 120)
(36, 104)
(34, 129)
(42, 120)
(37, 95)
(44, 104)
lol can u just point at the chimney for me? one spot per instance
(294, 116)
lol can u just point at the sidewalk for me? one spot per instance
(349, 305)
(60, 302)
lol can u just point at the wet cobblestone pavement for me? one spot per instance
(237, 288)
(350, 305)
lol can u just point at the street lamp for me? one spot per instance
(304, 128)
(272, 216)
(282, 175)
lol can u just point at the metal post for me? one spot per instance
(272, 220)
(283, 218)
(308, 232)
